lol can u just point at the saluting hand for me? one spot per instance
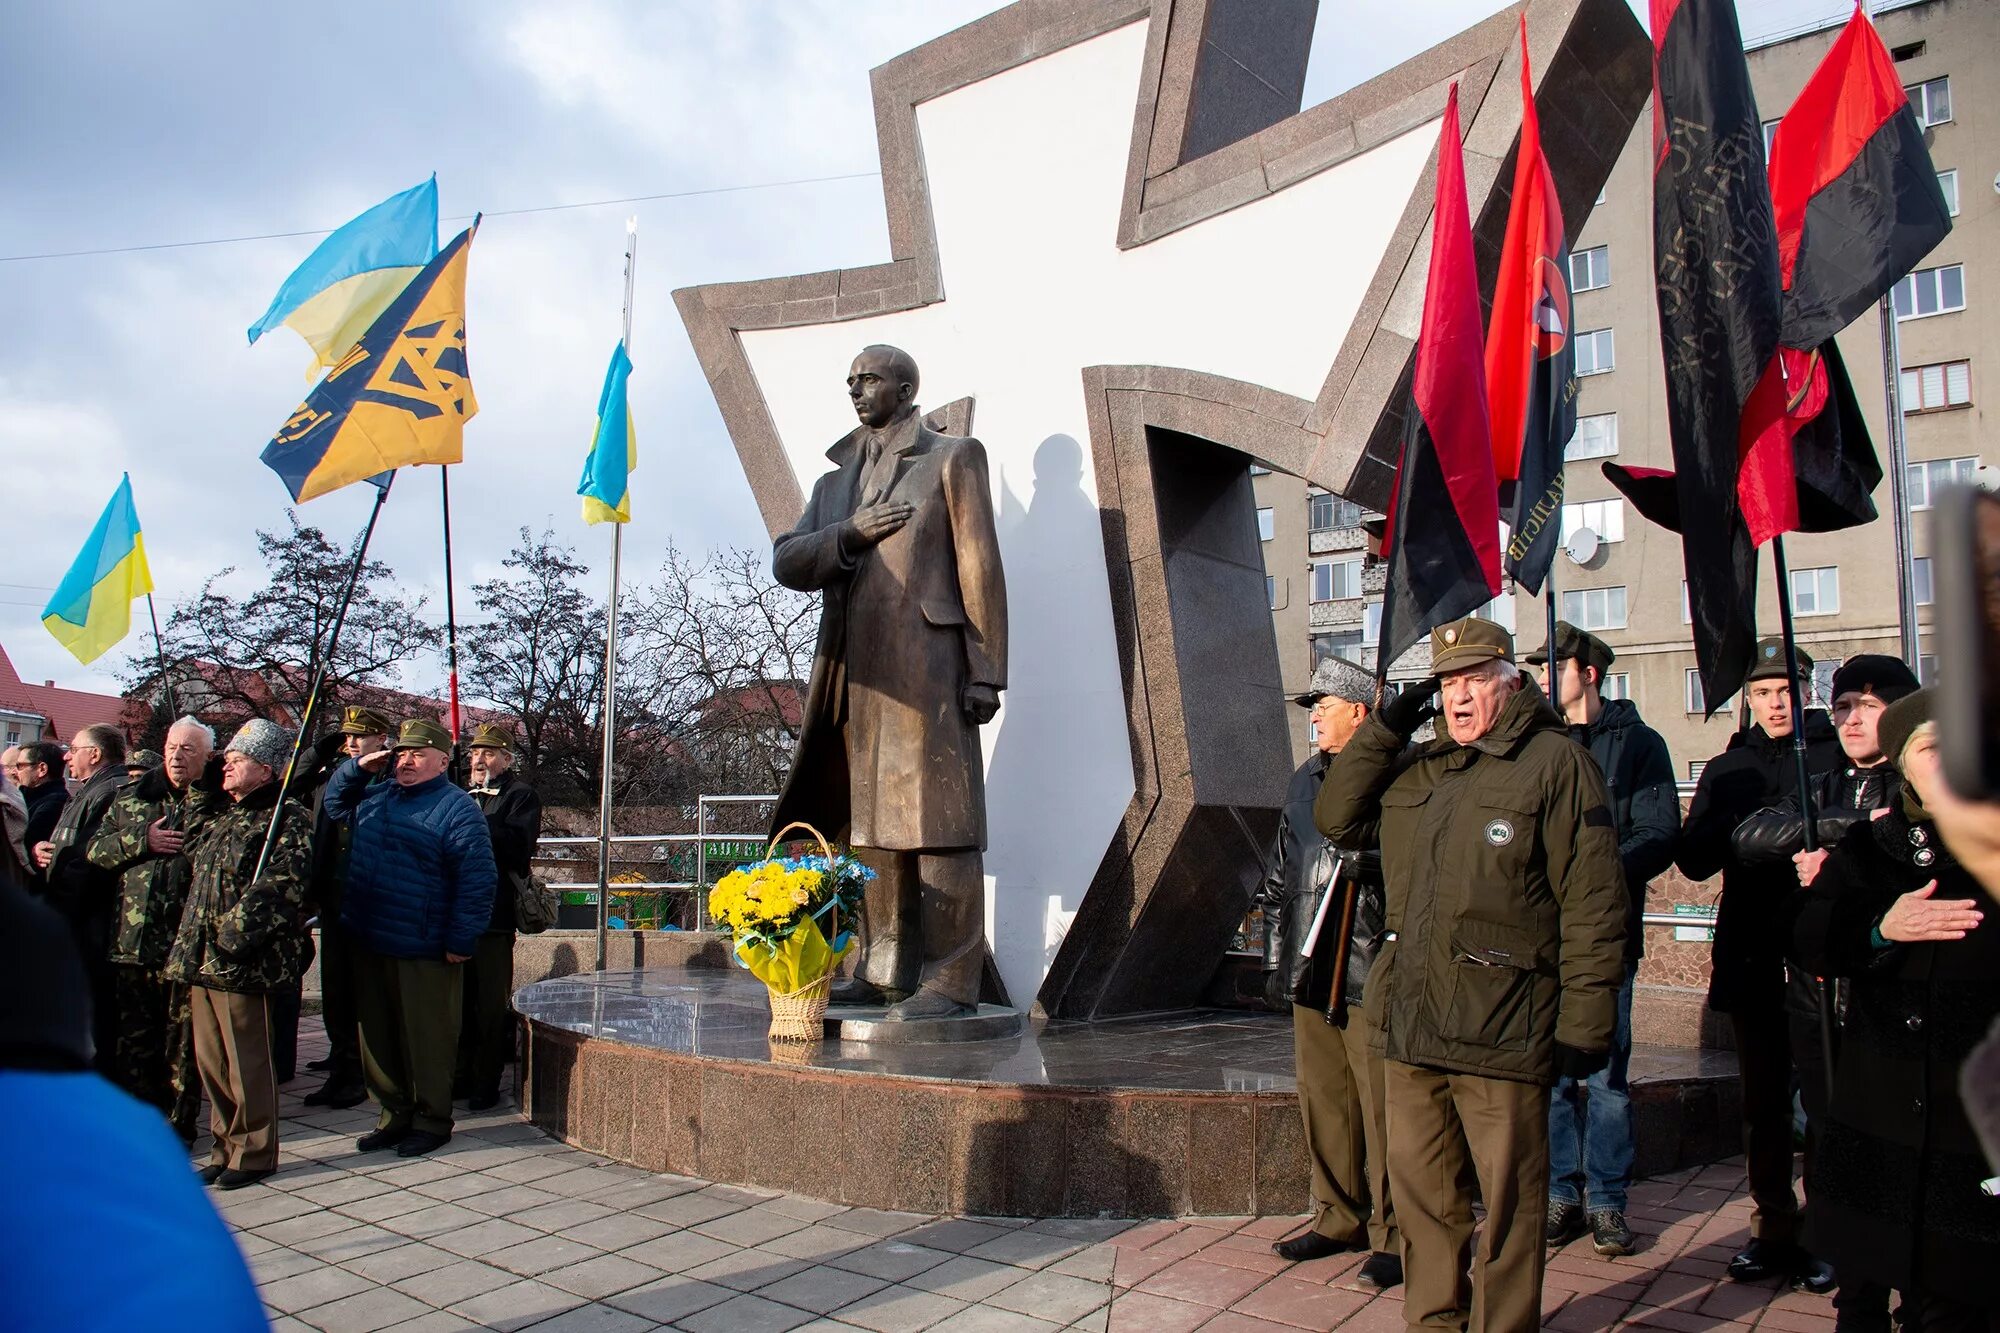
(376, 762)
(1915, 918)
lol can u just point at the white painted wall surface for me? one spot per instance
(1026, 172)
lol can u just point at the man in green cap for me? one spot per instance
(514, 819)
(1500, 967)
(362, 732)
(1747, 979)
(420, 882)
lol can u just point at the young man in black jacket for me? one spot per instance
(1590, 1120)
(1748, 981)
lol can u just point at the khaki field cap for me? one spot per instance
(420, 733)
(1769, 662)
(1578, 645)
(356, 720)
(1467, 643)
(492, 737)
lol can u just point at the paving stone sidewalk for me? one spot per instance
(508, 1229)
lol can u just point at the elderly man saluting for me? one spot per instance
(420, 882)
(1504, 953)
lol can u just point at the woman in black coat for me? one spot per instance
(1894, 1194)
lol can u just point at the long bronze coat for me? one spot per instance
(886, 750)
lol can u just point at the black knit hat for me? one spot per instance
(1887, 678)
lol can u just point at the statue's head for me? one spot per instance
(882, 384)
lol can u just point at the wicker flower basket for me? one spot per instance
(801, 1014)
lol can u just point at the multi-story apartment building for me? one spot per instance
(1629, 591)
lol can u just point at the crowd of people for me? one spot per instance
(189, 883)
(1457, 926)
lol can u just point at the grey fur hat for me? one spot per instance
(1340, 678)
(266, 742)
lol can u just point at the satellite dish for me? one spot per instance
(1582, 546)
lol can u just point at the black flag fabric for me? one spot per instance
(1443, 532)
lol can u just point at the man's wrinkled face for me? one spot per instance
(490, 760)
(1857, 714)
(242, 775)
(83, 758)
(1771, 706)
(356, 746)
(186, 752)
(1334, 722)
(420, 764)
(1473, 699)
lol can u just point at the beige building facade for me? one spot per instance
(1326, 596)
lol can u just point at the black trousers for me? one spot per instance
(486, 1035)
(336, 996)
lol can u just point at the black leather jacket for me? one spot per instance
(1842, 798)
(1302, 866)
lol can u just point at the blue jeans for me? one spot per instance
(1590, 1125)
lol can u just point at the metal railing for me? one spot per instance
(1705, 920)
(698, 886)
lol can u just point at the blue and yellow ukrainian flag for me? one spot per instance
(614, 451)
(92, 608)
(351, 278)
(401, 395)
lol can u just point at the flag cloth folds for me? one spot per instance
(1443, 532)
(1854, 190)
(1715, 250)
(353, 275)
(92, 606)
(614, 450)
(401, 395)
(1530, 364)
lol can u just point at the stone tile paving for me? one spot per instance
(508, 1229)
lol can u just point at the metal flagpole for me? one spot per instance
(1899, 491)
(450, 607)
(611, 663)
(319, 677)
(1808, 817)
(160, 656)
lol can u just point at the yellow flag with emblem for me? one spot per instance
(401, 395)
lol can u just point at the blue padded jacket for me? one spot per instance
(420, 874)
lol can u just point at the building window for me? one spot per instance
(1500, 611)
(1687, 605)
(1336, 580)
(1601, 196)
(1948, 183)
(1596, 437)
(1267, 524)
(1695, 766)
(1922, 578)
(1908, 52)
(1259, 470)
(1595, 608)
(1924, 480)
(1822, 684)
(1606, 518)
(1936, 388)
(1371, 624)
(1594, 353)
(1590, 269)
(1927, 668)
(1345, 645)
(1326, 511)
(1617, 685)
(1816, 592)
(1770, 135)
(1931, 100)
(1271, 591)
(1929, 291)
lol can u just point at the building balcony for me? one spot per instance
(1346, 613)
(1327, 541)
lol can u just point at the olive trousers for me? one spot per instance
(1340, 1105)
(410, 1010)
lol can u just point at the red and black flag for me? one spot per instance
(1715, 249)
(1443, 530)
(1530, 364)
(1854, 191)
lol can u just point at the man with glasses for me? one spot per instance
(38, 772)
(82, 892)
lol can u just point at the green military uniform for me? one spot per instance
(239, 941)
(151, 1053)
(1506, 921)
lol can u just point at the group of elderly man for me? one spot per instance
(190, 880)
(1456, 925)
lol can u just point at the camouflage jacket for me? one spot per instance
(146, 915)
(236, 935)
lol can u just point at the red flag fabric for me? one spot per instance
(1443, 532)
(1854, 192)
(1530, 362)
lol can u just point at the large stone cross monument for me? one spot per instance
(1133, 266)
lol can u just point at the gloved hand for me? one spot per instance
(1416, 705)
(1579, 1065)
(1276, 993)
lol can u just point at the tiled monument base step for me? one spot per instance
(1186, 1114)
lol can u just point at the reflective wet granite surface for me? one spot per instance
(723, 1015)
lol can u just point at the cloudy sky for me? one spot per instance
(144, 126)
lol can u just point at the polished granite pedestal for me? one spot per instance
(1190, 1113)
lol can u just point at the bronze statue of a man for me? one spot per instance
(911, 659)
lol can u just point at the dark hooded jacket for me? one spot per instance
(1895, 1172)
(1645, 804)
(1505, 897)
(45, 803)
(1748, 957)
(1302, 868)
